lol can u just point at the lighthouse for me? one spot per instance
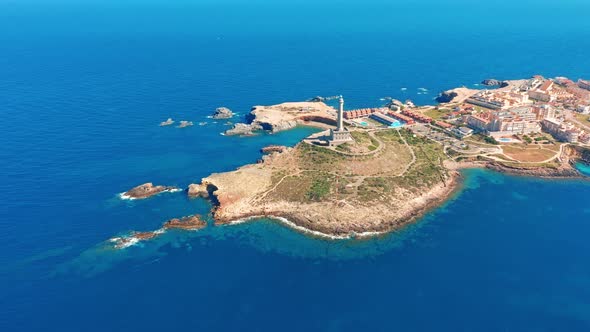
(340, 134)
(340, 126)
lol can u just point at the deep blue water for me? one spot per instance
(83, 86)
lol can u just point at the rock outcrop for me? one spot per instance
(273, 149)
(191, 223)
(446, 96)
(495, 83)
(197, 190)
(243, 129)
(187, 223)
(222, 113)
(284, 116)
(147, 190)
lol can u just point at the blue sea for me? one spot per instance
(84, 85)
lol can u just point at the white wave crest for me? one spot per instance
(308, 231)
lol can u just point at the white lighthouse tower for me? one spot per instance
(340, 134)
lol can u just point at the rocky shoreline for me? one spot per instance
(563, 171)
(432, 200)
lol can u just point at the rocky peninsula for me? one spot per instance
(377, 181)
(284, 116)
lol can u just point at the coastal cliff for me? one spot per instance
(284, 116)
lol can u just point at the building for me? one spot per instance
(443, 125)
(462, 132)
(584, 84)
(417, 116)
(477, 122)
(539, 95)
(495, 100)
(401, 117)
(551, 125)
(340, 134)
(544, 112)
(561, 131)
(484, 102)
(584, 109)
(354, 114)
(518, 120)
(384, 119)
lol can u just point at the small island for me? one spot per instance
(146, 190)
(373, 170)
(222, 113)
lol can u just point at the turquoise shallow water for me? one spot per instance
(583, 168)
(84, 86)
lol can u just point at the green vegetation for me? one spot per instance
(482, 139)
(527, 139)
(319, 189)
(490, 140)
(343, 147)
(321, 174)
(426, 171)
(437, 114)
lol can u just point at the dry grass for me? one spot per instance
(528, 154)
(391, 160)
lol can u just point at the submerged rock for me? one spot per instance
(184, 124)
(222, 113)
(135, 237)
(147, 190)
(167, 122)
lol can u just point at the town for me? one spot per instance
(521, 121)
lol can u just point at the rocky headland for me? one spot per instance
(337, 194)
(284, 116)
